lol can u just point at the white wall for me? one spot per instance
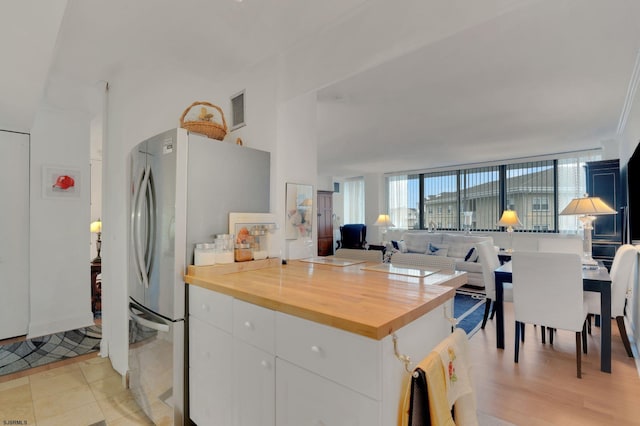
(95, 164)
(59, 235)
(296, 158)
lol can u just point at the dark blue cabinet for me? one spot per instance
(603, 180)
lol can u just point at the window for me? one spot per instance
(480, 193)
(404, 196)
(526, 184)
(530, 188)
(354, 201)
(540, 204)
(441, 193)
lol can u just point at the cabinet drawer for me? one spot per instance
(211, 307)
(254, 324)
(347, 358)
(303, 398)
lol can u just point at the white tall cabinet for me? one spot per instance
(14, 234)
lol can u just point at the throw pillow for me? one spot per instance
(434, 250)
(472, 255)
(402, 246)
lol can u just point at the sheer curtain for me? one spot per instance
(354, 200)
(403, 201)
(572, 182)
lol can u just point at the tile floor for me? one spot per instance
(85, 392)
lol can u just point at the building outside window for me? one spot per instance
(530, 188)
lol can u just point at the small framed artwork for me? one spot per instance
(299, 211)
(61, 182)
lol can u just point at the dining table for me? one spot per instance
(593, 279)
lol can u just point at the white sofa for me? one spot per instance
(456, 246)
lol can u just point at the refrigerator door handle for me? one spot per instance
(135, 224)
(137, 235)
(151, 230)
(159, 326)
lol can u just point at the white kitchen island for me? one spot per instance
(307, 343)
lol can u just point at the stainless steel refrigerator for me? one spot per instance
(182, 188)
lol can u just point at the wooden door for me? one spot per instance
(325, 223)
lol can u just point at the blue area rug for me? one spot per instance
(45, 349)
(468, 309)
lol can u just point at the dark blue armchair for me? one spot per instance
(353, 236)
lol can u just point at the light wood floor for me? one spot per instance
(542, 389)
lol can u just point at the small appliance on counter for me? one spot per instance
(254, 235)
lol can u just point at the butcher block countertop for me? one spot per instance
(363, 301)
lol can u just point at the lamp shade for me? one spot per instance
(509, 218)
(96, 226)
(592, 206)
(384, 220)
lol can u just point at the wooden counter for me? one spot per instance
(370, 303)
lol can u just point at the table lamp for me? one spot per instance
(587, 208)
(509, 219)
(96, 228)
(384, 221)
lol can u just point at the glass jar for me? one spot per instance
(243, 252)
(204, 254)
(224, 248)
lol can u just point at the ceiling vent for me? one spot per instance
(237, 111)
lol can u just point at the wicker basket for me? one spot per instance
(208, 128)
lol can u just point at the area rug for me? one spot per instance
(468, 309)
(46, 349)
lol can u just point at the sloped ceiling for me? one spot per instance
(28, 32)
(546, 76)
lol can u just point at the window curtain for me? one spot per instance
(354, 201)
(403, 199)
(572, 181)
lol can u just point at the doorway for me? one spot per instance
(325, 223)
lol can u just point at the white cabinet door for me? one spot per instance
(255, 380)
(210, 374)
(306, 399)
(14, 234)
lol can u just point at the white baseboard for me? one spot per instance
(46, 328)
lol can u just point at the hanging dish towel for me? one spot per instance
(442, 381)
(453, 352)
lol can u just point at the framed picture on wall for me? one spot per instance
(61, 182)
(299, 211)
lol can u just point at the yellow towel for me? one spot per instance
(439, 409)
(446, 378)
(453, 352)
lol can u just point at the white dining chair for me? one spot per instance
(488, 258)
(548, 290)
(623, 276)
